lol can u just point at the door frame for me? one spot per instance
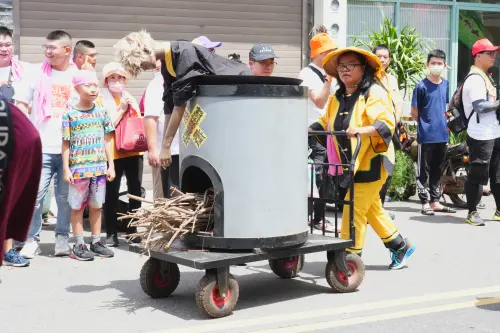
(455, 11)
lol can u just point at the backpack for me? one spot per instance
(318, 73)
(396, 138)
(457, 121)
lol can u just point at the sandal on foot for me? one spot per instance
(445, 209)
(427, 211)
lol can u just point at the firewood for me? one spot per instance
(165, 220)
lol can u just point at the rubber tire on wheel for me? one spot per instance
(209, 301)
(338, 281)
(151, 280)
(287, 268)
(455, 198)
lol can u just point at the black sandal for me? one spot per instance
(445, 209)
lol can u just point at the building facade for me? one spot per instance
(239, 24)
(451, 25)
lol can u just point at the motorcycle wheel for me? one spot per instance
(459, 200)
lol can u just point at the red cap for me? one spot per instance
(484, 45)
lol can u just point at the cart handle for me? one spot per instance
(358, 141)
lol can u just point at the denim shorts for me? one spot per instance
(87, 191)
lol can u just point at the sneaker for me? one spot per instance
(400, 256)
(101, 250)
(82, 253)
(474, 219)
(30, 249)
(13, 258)
(392, 216)
(329, 226)
(496, 217)
(112, 241)
(62, 247)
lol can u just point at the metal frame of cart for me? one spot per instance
(218, 292)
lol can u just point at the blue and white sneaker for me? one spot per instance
(400, 256)
(13, 258)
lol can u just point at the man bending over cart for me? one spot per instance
(181, 62)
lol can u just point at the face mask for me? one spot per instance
(116, 86)
(436, 70)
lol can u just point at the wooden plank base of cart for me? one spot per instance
(218, 292)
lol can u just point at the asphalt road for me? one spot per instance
(451, 285)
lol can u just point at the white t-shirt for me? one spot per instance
(488, 128)
(153, 106)
(17, 85)
(50, 129)
(311, 80)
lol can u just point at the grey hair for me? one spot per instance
(318, 29)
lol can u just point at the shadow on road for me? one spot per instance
(439, 218)
(256, 289)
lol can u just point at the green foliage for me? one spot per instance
(403, 182)
(408, 52)
(457, 138)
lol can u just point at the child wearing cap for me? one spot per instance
(87, 130)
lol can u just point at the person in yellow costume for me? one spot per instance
(362, 106)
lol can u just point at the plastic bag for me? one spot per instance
(315, 193)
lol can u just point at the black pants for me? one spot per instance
(318, 155)
(170, 176)
(385, 188)
(132, 167)
(430, 158)
(484, 158)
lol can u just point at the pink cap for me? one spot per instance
(85, 77)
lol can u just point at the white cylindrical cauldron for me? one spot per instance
(247, 138)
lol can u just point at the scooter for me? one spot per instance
(454, 172)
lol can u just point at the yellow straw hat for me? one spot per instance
(331, 60)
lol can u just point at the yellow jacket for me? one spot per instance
(376, 151)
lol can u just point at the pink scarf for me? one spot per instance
(333, 156)
(44, 89)
(17, 69)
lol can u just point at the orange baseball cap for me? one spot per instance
(321, 43)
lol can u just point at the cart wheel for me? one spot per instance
(287, 268)
(210, 302)
(345, 284)
(156, 283)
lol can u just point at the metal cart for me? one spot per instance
(218, 292)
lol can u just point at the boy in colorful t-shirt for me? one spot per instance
(86, 150)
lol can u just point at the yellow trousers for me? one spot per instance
(367, 208)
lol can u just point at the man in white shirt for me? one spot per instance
(319, 86)
(49, 94)
(85, 55)
(479, 97)
(154, 122)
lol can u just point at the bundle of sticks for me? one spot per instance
(164, 220)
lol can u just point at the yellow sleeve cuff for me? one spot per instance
(168, 62)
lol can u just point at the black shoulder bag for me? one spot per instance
(7, 90)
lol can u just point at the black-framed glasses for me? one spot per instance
(348, 67)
